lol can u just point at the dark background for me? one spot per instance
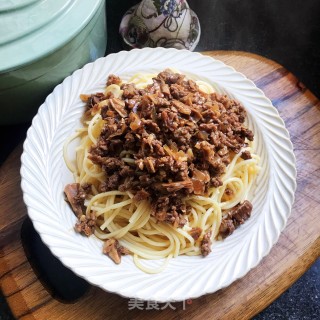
(286, 31)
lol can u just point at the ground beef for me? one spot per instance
(141, 195)
(110, 184)
(205, 246)
(195, 233)
(112, 79)
(179, 138)
(246, 155)
(234, 218)
(86, 224)
(226, 228)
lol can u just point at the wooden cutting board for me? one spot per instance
(296, 250)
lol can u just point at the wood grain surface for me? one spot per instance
(296, 250)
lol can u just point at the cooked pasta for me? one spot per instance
(118, 214)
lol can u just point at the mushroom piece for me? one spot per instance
(114, 250)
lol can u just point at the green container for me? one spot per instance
(41, 43)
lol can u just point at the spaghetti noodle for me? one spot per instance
(180, 209)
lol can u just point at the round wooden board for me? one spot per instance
(296, 250)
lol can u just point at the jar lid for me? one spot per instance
(31, 29)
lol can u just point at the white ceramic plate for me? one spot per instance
(44, 175)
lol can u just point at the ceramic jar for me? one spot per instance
(161, 23)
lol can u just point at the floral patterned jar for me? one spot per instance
(161, 23)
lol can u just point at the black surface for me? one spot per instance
(286, 31)
(300, 302)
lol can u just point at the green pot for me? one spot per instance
(41, 43)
